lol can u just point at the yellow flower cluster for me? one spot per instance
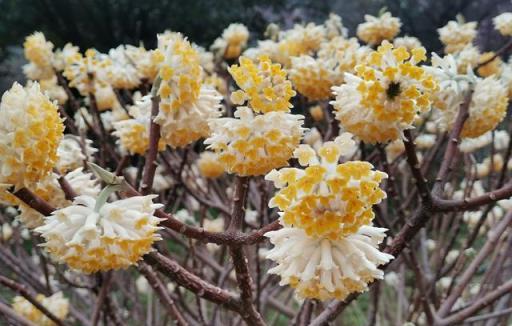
(209, 165)
(255, 144)
(30, 133)
(180, 71)
(57, 304)
(91, 239)
(89, 74)
(455, 35)
(327, 199)
(38, 50)
(233, 40)
(50, 190)
(326, 213)
(314, 78)
(491, 68)
(263, 85)
(186, 104)
(377, 29)
(487, 109)
(385, 95)
(503, 23)
(133, 132)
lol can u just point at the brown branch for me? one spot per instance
(32, 200)
(162, 293)
(183, 277)
(414, 164)
(498, 53)
(23, 291)
(101, 298)
(451, 148)
(243, 276)
(475, 264)
(69, 192)
(478, 305)
(154, 137)
(234, 238)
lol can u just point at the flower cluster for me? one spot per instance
(90, 238)
(327, 247)
(503, 23)
(186, 104)
(314, 78)
(30, 133)
(50, 190)
(232, 41)
(385, 95)
(133, 132)
(489, 99)
(254, 144)
(455, 35)
(263, 85)
(57, 304)
(377, 29)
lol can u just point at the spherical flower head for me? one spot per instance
(146, 62)
(88, 73)
(341, 55)
(180, 127)
(122, 73)
(455, 36)
(252, 144)
(133, 133)
(54, 91)
(91, 239)
(487, 109)
(263, 85)
(377, 29)
(233, 40)
(408, 42)
(50, 191)
(503, 23)
(322, 268)
(65, 56)
(490, 68)
(71, 155)
(57, 304)
(327, 199)
(334, 27)
(30, 133)
(467, 58)
(300, 40)
(209, 165)
(313, 78)
(384, 96)
(180, 71)
(38, 50)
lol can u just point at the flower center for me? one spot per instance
(393, 90)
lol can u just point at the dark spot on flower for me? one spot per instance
(393, 90)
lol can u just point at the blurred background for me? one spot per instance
(104, 24)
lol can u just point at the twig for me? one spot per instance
(22, 290)
(162, 293)
(20, 320)
(154, 137)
